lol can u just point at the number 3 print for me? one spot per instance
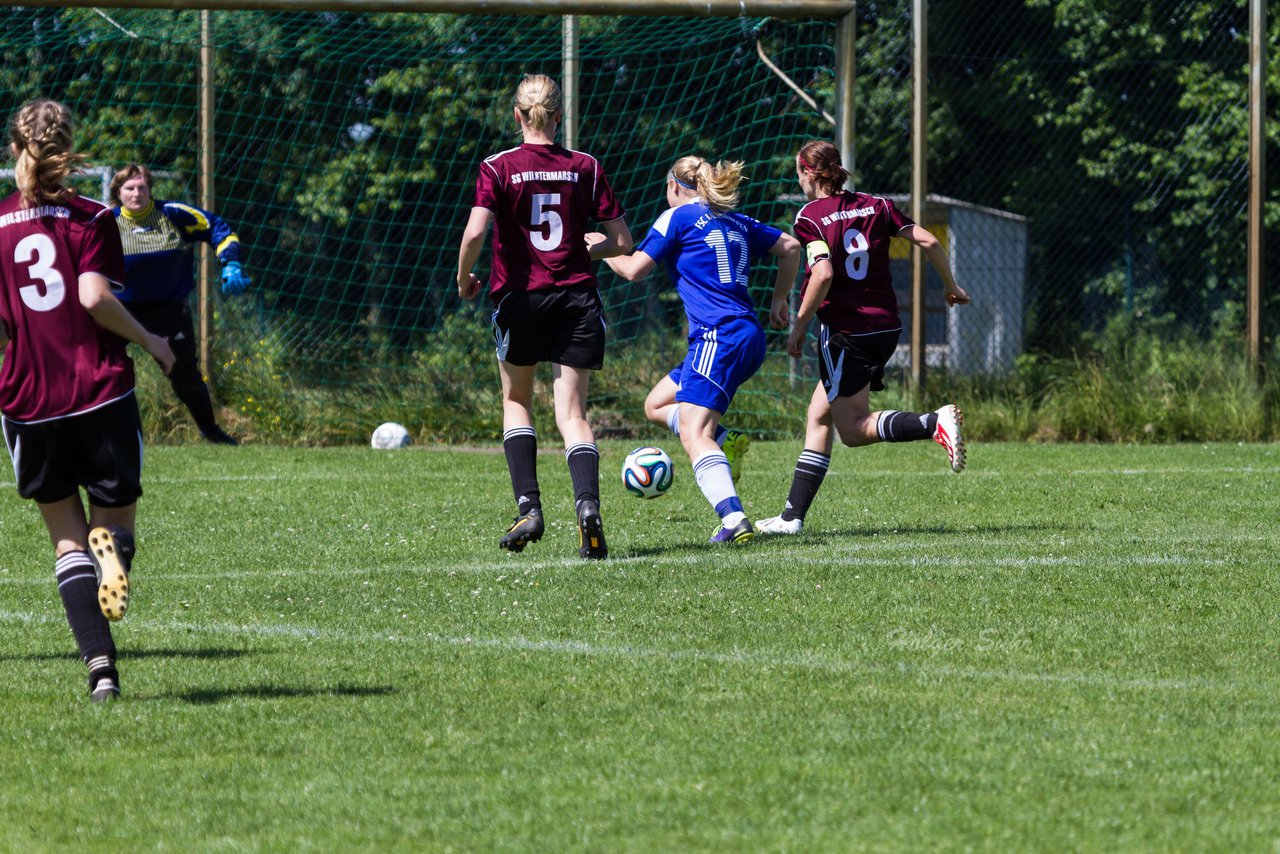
(38, 251)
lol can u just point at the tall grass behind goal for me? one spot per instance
(347, 147)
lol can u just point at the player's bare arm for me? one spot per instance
(633, 267)
(955, 295)
(787, 250)
(616, 240)
(820, 278)
(102, 305)
(473, 237)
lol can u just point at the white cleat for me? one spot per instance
(778, 525)
(105, 691)
(948, 434)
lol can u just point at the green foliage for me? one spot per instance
(1137, 383)
(1152, 383)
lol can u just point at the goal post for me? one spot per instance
(818, 9)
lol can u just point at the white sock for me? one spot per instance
(673, 419)
(711, 470)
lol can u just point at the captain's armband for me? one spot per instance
(816, 251)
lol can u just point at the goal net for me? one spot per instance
(347, 147)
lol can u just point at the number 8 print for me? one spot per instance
(856, 254)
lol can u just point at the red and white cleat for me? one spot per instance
(948, 434)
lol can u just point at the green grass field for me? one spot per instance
(1065, 647)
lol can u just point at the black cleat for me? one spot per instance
(526, 529)
(591, 532)
(218, 436)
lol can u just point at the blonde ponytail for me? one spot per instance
(718, 185)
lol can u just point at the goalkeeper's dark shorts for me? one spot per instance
(100, 450)
(564, 326)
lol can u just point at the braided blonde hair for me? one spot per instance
(716, 185)
(42, 132)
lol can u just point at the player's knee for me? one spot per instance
(519, 398)
(855, 435)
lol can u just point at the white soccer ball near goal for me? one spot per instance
(390, 435)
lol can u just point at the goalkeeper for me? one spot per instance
(158, 237)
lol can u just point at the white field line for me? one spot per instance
(737, 657)
(524, 566)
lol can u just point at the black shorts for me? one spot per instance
(100, 450)
(564, 326)
(848, 363)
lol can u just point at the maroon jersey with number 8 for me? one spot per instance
(852, 231)
(543, 198)
(58, 361)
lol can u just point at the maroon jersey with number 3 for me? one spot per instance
(543, 198)
(852, 231)
(58, 361)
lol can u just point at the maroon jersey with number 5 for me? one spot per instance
(58, 361)
(852, 231)
(543, 198)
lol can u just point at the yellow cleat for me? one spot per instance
(735, 447)
(113, 573)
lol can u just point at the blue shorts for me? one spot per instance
(720, 360)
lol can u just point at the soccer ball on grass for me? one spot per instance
(390, 435)
(646, 472)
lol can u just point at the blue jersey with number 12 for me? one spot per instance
(708, 254)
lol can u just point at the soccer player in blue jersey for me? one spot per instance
(707, 249)
(160, 274)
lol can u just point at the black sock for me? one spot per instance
(521, 447)
(78, 588)
(894, 426)
(584, 470)
(811, 468)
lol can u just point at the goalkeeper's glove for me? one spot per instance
(234, 281)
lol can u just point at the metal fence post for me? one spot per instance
(206, 185)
